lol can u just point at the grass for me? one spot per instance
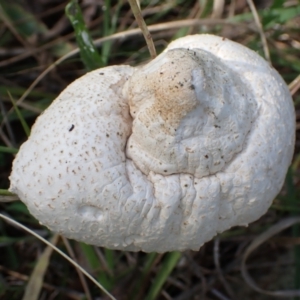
(40, 36)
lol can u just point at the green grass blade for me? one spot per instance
(106, 31)
(11, 150)
(277, 4)
(110, 22)
(167, 267)
(90, 255)
(25, 23)
(88, 52)
(110, 258)
(150, 259)
(4, 192)
(7, 196)
(20, 116)
(286, 208)
(95, 265)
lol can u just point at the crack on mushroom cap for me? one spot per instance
(194, 110)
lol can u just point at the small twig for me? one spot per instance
(6, 196)
(81, 277)
(13, 30)
(219, 271)
(218, 8)
(282, 225)
(294, 86)
(219, 295)
(102, 259)
(232, 8)
(18, 276)
(142, 24)
(5, 139)
(35, 283)
(74, 263)
(166, 295)
(260, 30)
(198, 272)
(7, 123)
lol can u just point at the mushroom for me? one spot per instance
(164, 156)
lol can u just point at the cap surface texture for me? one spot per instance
(164, 156)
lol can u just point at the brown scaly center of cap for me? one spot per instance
(191, 114)
(169, 89)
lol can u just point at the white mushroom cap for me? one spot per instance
(161, 157)
(192, 119)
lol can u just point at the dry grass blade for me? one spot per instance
(18, 276)
(260, 29)
(219, 271)
(7, 124)
(20, 116)
(124, 35)
(8, 198)
(11, 27)
(294, 86)
(219, 295)
(5, 139)
(142, 24)
(218, 8)
(35, 283)
(76, 265)
(282, 225)
(81, 277)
